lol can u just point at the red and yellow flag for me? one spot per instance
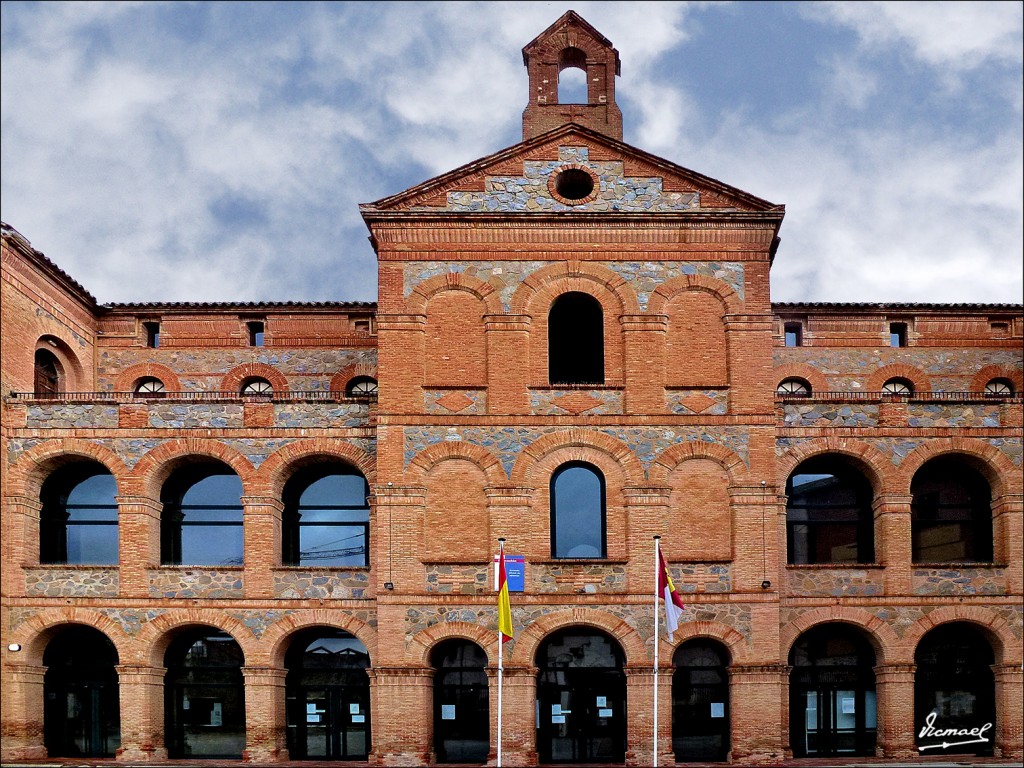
(673, 602)
(504, 606)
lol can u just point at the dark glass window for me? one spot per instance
(202, 517)
(794, 334)
(150, 387)
(257, 387)
(897, 334)
(47, 374)
(898, 388)
(954, 686)
(328, 696)
(576, 340)
(999, 388)
(461, 703)
(152, 334)
(81, 706)
(78, 521)
(700, 702)
(794, 388)
(205, 695)
(361, 386)
(951, 513)
(832, 693)
(255, 331)
(327, 517)
(577, 511)
(828, 516)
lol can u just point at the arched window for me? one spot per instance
(700, 702)
(202, 516)
(829, 518)
(898, 388)
(326, 517)
(999, 388)
(48, 374)
(954, 687)
(581, 697)
(461, 702)
(832, 693)
(794, 388)
(257, 387)
(81, 706)
(361, 386)
(150, 387)
(576, 340)
(78, 520)
(578, 511)
(950, 513)
(572, 77)
(204, 695)
(328, 696)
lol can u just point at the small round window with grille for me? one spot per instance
(257, 387)
(362, 386)
(794, 388)
(150, 388)
(999, 388)
(898, 387)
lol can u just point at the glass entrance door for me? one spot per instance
(700, 702)
(462, 720)
(581, 699)
(331, 723)
(836, 721)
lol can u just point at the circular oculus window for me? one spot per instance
(573, 185)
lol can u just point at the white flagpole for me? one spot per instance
(657, 642)
(501, 659)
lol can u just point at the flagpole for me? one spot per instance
(657, 642)
(501, 661)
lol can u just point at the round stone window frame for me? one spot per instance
(553, 184)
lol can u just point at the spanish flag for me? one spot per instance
(504, 606)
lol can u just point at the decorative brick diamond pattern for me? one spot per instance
(697, 403)
(577, 403)
(455, 402)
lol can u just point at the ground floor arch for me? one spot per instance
(461, 702)
(700, 701)
(81, 708)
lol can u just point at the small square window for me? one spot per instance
(362, 326)
(255, 333)
(794, 335)
(152, 334)
(1000, 330)
(897, 334)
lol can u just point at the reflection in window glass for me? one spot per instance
(828, 514)
(78, 522)
(577, 512)
(327, 518)
(951, 513)
(202, 518)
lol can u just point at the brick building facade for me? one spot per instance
(266, 530)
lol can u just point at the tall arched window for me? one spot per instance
(326, 517)
(576, 340)
(201, 522)
(461, 702)
(204, 695)
(78, 520)
(700, 702)
(951, 513)
(48, 374)
(81, 706)
(832, 693)
(578, 511)
(954, 687)
(328, 696)
(829, 518)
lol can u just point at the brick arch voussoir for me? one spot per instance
(421, 295)
(27, 474)
(883, 639)
(617, 451)
(62, 349)
(989, 372)
(536, 293)
(914, 375)
(529, 640)
(424, 641)
(431, 456)
(35, 633)
(155, 467)
(232, 381)
(734, 642)
(808, 373)
(879, 466)
(275, 641)
(668, 290)
(130, 377)
(275, 470)
(156, 635)
(675, 455)
(1005, 646)
(340, 380)
(998, 469)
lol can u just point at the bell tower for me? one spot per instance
(571, 43)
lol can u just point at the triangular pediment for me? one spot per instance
(549, 174)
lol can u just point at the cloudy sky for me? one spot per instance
(218, 151)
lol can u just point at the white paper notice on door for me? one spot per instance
(558, 718)
(717, 709)
(849, 706)
(604, 713)
(447, 711)
(353, 709)
(556, 709)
